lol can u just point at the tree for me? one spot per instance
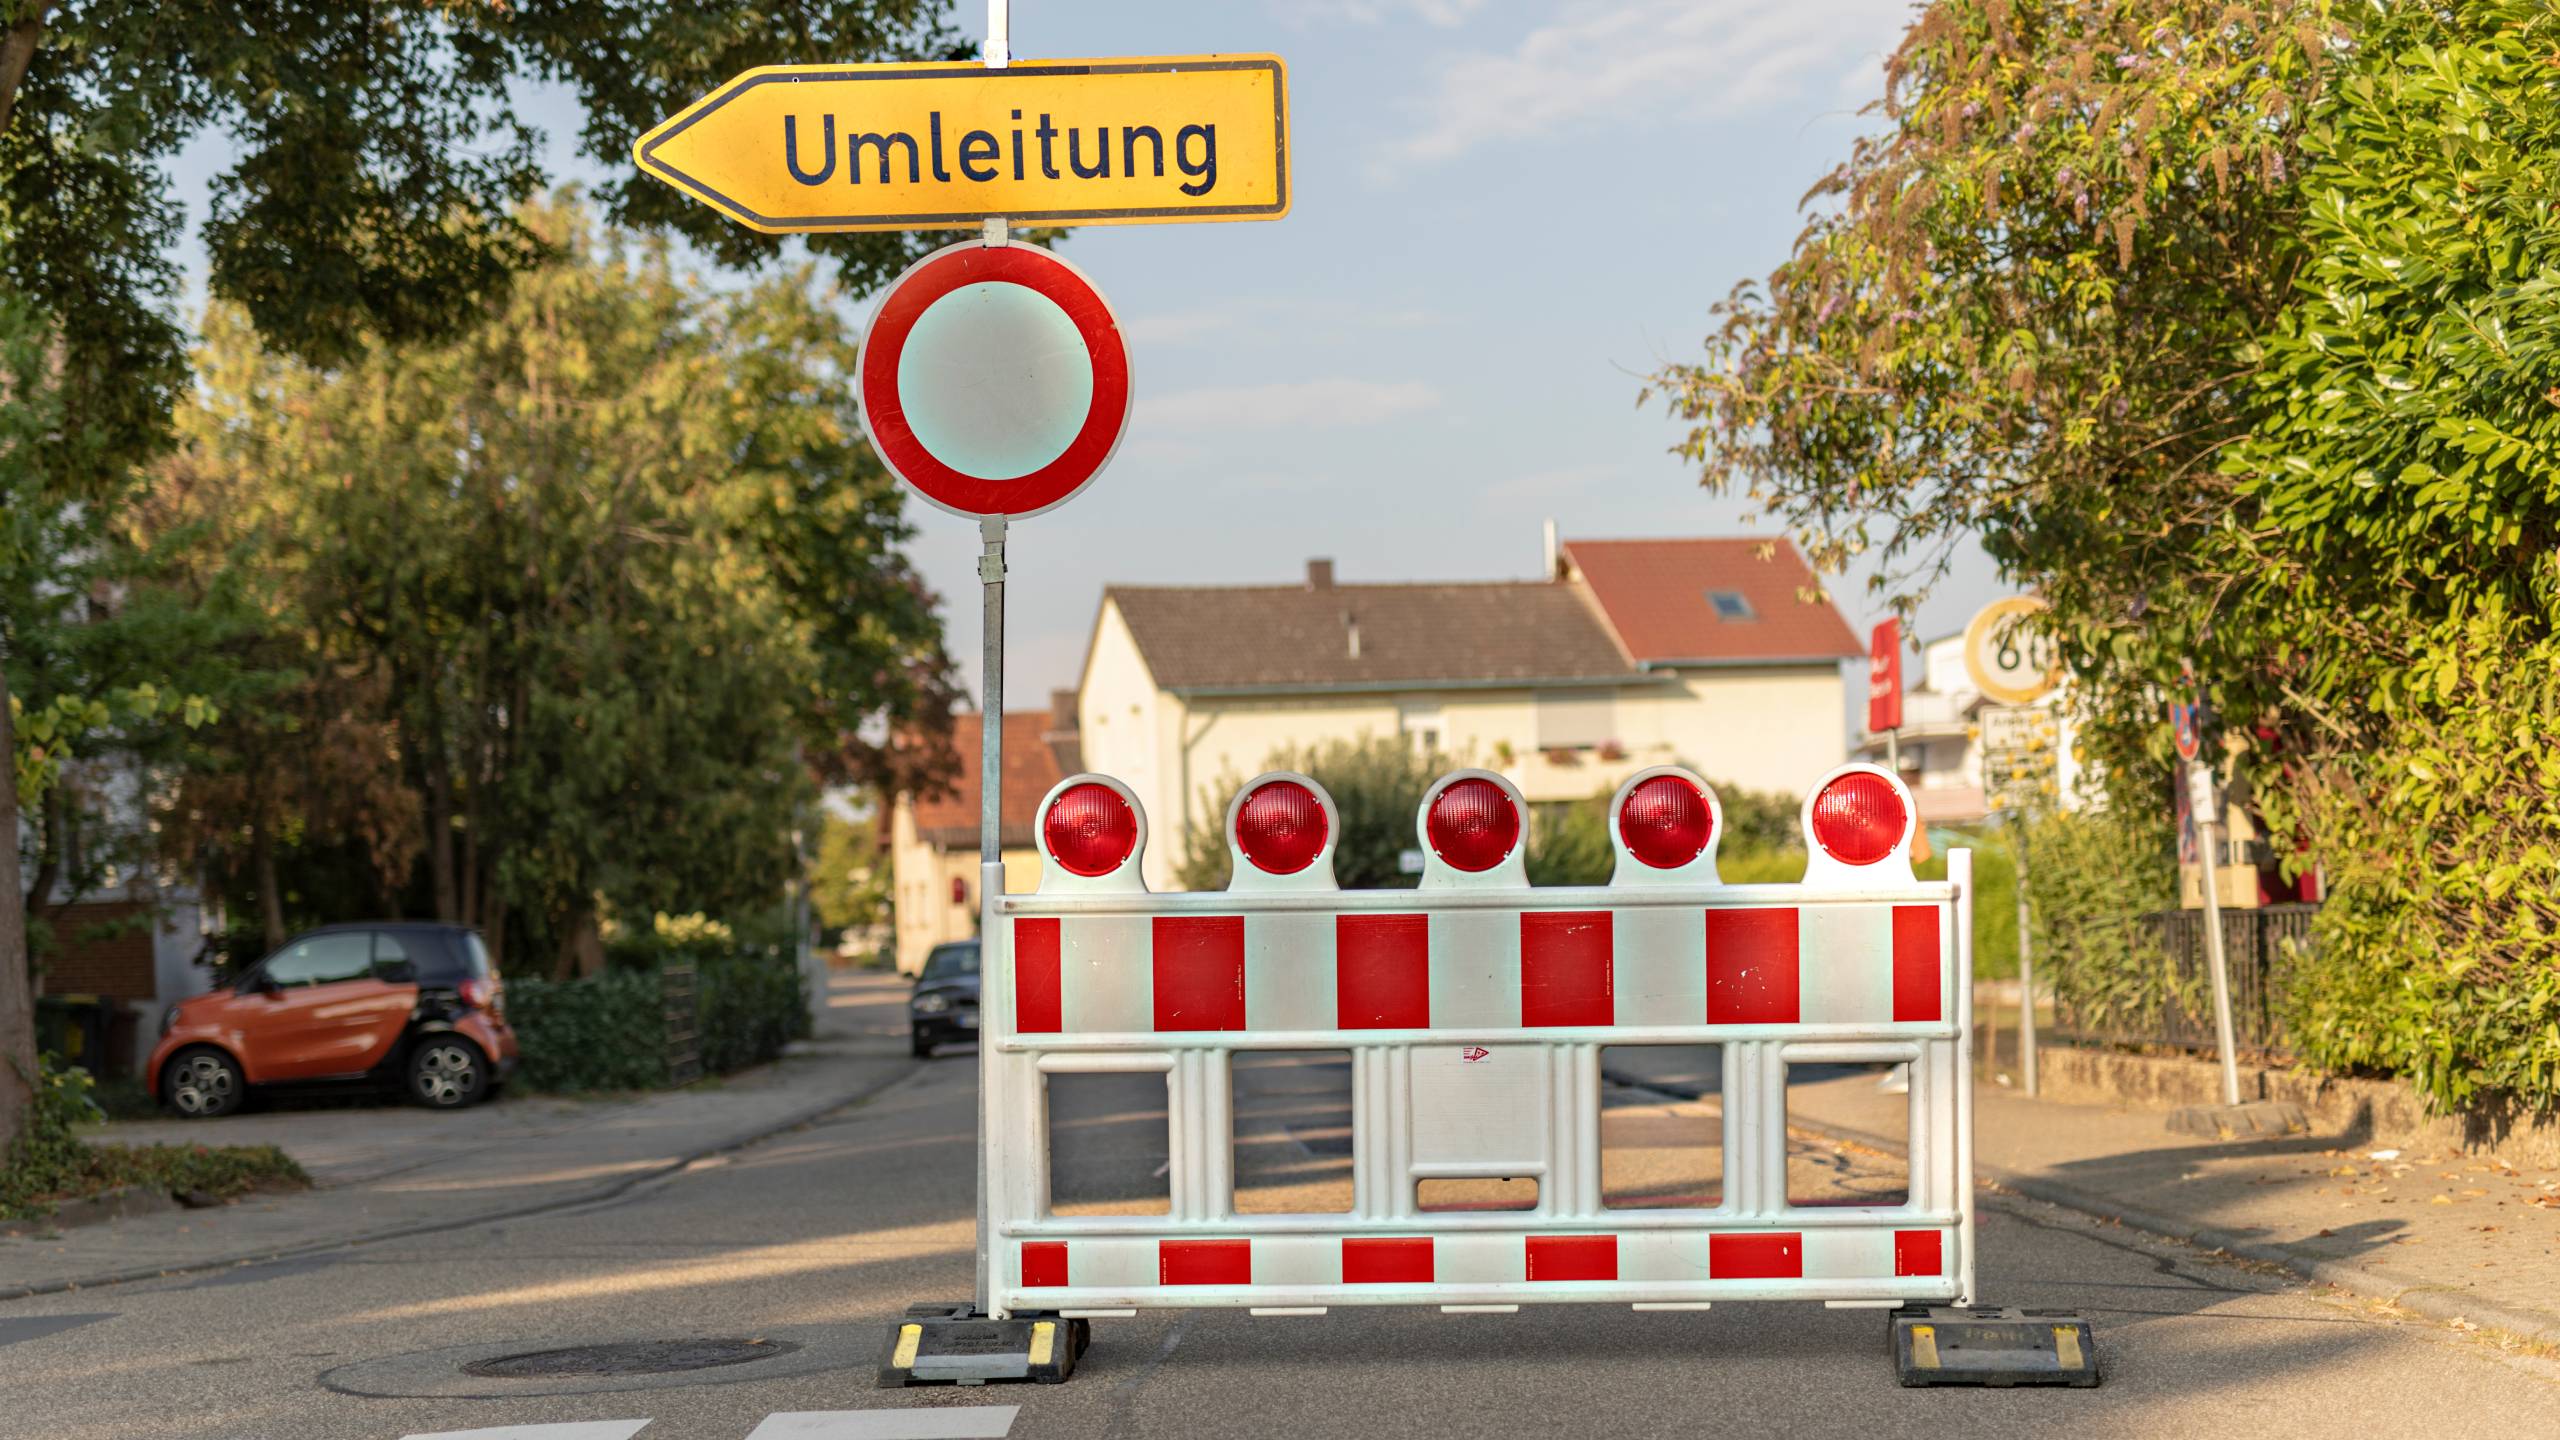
(2024, 314)
(2229, 330)
(586, 595)
(849, 879)
(381, 161)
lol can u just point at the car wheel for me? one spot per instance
(447, 1072)
(919, 1045)
(201, 1084)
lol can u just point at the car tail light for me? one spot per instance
(1858, 818)
(1281, 827)
(1666, 822)
(1473, 824)
(1090, 830)
(477, 993)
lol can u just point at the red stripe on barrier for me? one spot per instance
(1387, 1262)
(1919, 1252)
(1751, 967)
(1382, 972)
(1564, 968)
(1916, 985)
(1204, 1262)
(1199, 965)
(1756, 1257)
(1044, 1263)
(1037, 1007)
(1573, 1257)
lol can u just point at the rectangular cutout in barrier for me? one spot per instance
(1109, 1143)
(1661, 1129)
(1438, 1196)
(1293, 1132)
(1828, 1174)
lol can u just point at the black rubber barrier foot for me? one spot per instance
(953, 1345)
(1993, 1345)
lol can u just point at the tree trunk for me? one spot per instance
(440, 833)
(582, 949)
(270, 894)
(17, 49)
(17, 995)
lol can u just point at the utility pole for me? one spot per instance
(2200, 800)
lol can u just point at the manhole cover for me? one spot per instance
(633, 1357)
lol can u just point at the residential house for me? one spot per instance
(933, 840)
(1721, 654)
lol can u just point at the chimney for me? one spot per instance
(1319, 574)
(1553, 554)
(1062, 712)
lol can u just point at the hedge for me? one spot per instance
(608, 1031)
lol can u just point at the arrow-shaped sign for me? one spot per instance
(940, 146)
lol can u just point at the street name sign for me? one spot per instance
(796, 148)
(994, 379)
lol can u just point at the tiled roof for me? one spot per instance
(1655, 593)
(1031, 770)
(1239, 637)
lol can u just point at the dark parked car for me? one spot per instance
(403, 1003)
(944, 1005)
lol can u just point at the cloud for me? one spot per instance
(1290, 404)
(1641, 59)
(1447, 14)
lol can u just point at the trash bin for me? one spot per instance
(73, 1029)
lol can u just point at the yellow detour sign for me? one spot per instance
(934, 146)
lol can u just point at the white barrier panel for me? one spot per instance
(1474, 1010)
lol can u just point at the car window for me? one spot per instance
(344, 955)
(475, 956)
(949, 960)
(393, 957)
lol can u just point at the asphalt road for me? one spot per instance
(818, 1237)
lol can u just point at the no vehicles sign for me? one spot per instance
(793, 148)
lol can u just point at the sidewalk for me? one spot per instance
(2448, 1236)
(383, 1171)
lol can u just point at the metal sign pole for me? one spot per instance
(2200, 801)
(994, 960)
(2026, 961)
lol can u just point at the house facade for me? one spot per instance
(1939, 745)
(1721, 654)
(933, 841)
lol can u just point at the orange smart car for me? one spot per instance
(397, 1002)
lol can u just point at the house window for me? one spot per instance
(1730, 605)
(1420, 725)
(1577, 722)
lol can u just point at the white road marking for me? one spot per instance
(572, 1431)
(965, 1422)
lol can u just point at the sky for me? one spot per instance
(1507, 215)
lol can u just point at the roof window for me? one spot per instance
(1730, 605)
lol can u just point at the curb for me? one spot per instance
(2425, 1297)
(606, 1190)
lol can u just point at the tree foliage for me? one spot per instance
(2229, 330)
(576, 603)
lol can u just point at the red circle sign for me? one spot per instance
(994, 379)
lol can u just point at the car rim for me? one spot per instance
(446, 1074)
(203, 1086)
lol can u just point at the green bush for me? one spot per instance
(749, 1006)
(602, 1032)
(608, 1031)
(2091, 876)
(51, 1163)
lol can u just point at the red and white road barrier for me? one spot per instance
(1474, 1009)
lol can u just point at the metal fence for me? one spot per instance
(2261, 948)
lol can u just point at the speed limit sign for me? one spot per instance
(2008, 661)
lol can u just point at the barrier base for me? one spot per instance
(1992, 1345)
(954, 1345)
